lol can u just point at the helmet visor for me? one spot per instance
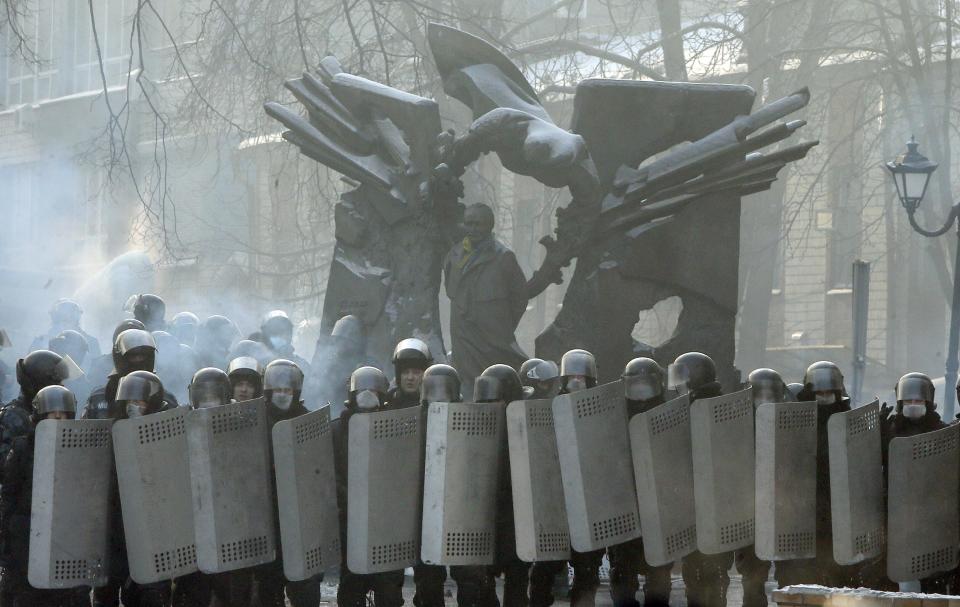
(67, 369)
(915, 388)
(826, 379)
(282, 376)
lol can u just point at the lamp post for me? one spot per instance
(911, 174)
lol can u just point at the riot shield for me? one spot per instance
(856, 484)
(153, 471)
(663, 466)
(70, 516)
(540, 519)
(384, 475)
(593, 444)
(723, 471)
(922, 507)
(306, 494)
(461, 469)
(233, 507)
(786, 483)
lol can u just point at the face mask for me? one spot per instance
(576, 384)
(914, 411)
(281, 401)
(206, 404)
(367, 400)
(134, 411)
(827, 399)
(277, 342)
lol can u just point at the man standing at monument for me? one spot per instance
(487, 291)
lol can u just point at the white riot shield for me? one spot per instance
(723, 468)
(233, 507)
(70, 516)
(306, 494)
(922, 506)
(153, 471)
(786, 481)
(461, 469)
(593, 443)
(540, 518)
(856, 484)
(384, 475)
(663, 466)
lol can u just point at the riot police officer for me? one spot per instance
(184, 326)
(35, 371)
(210, 387)
(411, 358)
(148, 309)
(246, 378)
(215, 336)
(643, 384)
(766, 386)
(476, 585)
(51, 402)
(823, 383)
(138, 393)
(133, 350)
(282, 386)
(65, 315)
(915, 413)
(578, 371)
(705, 577)
(505, 387)
(100, 368)
(540, 378)
(277, 332)
(367, 393)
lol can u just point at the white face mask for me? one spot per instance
(367, 400)
(282, 401)
(576, 384)
(206, 404)
(826, 399)
(914, 411)
(277, 342)
(134, 411)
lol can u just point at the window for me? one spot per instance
(112, 19)
(32, 82)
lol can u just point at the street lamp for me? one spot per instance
(911, 173)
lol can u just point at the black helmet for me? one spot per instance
(277, 329)
(525, 368)
(134, 350)
(541, 378)
(251, 349)
(578, 362)
(793, 390)
(915, 386)
(694, 370)
(210, 387)
(66, 312)
(510, 387)
(140, 386)
(411, 352)
(441, 383)
(148, 309)
(283, 375)
(372, 380)
(125, 325)
(643, 380)
(767, 386)
(70, 343)
(184, 327)
(54, 398)
(42, 368)
(488, 389)
(823, 376)
(246, 368)
(217, 333)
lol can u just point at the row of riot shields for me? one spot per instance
(197, 492)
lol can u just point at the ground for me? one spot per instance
(677, 598)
